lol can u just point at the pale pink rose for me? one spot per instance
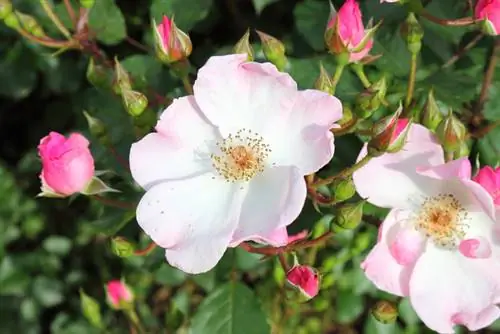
(67, 164)
(489, 179)
(437, 245)
(220, 170)
(305, 278)
(118, 294)
(172, 44)
(489, 10)
(350, 32)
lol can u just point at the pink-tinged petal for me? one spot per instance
(234, 94)
(445, 284)
(405, 244)
(178, 149)
(475, 248)
(455, 169)
(274, 199)
(484, 319)
(482, 197)
(489, 179)
(276, 238)
(299, 236)
(380, 266)
(306, 129)
(193, 219)
(357, 56)
(390, 180)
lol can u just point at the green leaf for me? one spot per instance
(48, 292)
(185, 12)
(232, 308)
(170, 276)
(489, 148)
(407, 313)
(349, 306)
(17, 75)
(395, 56)
(107, 21)
(112, 222)
(58, 245)
(259, 5)
(311, 18)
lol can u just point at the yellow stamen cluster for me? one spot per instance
(241, 157)
(442, 219)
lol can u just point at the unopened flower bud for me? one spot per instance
(386, 134)
(243, 46)
(119, 295)
(347, 115)
(97, 128)
(348, 216)
(451, 132)
(5, 8)
(171, 43)
(122, 247)
(273, 49)
(413, 33)
(487, 12)
(98, 75)
(343, 189)
(135, 102)
(305, 279)
(462, 151)
(12, 21)
(122, 79)
(87, 3)
(366, 103)
(324, 82)
(385, 312)
(431, 115)
(91, 310)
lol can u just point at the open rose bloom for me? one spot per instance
(439, 244)
(228, 164)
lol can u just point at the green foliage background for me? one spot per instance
(49, 249)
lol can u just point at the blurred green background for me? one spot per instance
(49, 249)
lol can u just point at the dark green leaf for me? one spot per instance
(311, 18)
(349, 306)
(185, 12)
(259, 5)
(107, 21)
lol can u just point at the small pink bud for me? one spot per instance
(345, 32)
(172, 44)
(304, 278)
(489, 179)
(489, 12)
(67, 164)
(118, 294)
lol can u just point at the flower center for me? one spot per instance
(241, 157)
(442, 219)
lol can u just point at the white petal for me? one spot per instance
(274, 199)
(193, 218)
(178, 149)
(391, 180)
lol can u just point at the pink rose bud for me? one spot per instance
(67, 164)
(345, 33)
(305, 279)
(119, 295)
(172, 44)
(489, 179)
(489, 12)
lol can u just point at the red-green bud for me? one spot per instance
(122, 79)
(119, 295)
(349, 215)
(243, 46)
(171, 43)
(343, 189)
(324, 82)
(98, 75)
(462, 151)
(97, 128)
(413, 33)
(5, 8)
(384, 132)
(431, 115)
(451, 132)
(385, 312)
(91, 310)
(122, 247)
(135, 102)
(273, 49)
(304, 279)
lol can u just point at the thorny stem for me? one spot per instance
(488, 77)
(288, 248)
(359, 69)
(71, 12)
(411, 79)
(55, 19)
(145, 251)
(344, 173)
(445, 22)
(336, 77)
(462, 51)
(113, 202)
(46, 42)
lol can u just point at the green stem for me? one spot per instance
(336, 77)
(411, 79)
(359, 69)
(134, 319)
(187, 85)
(55, 19)
(344, 173)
